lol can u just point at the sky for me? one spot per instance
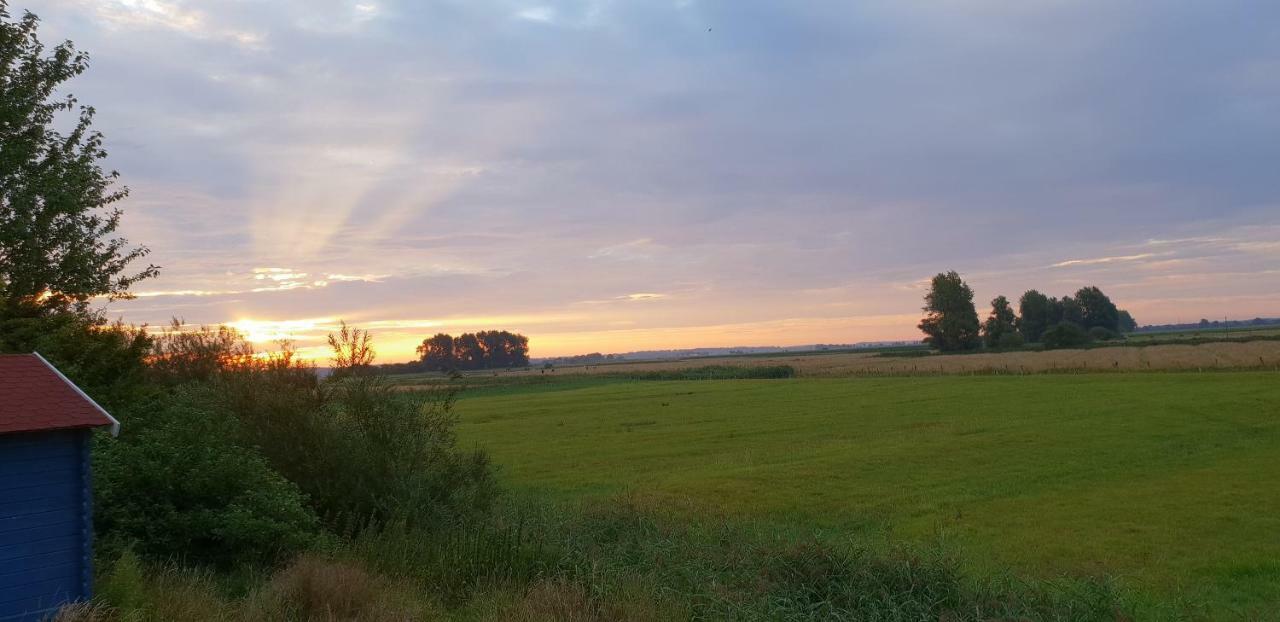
(612, 176)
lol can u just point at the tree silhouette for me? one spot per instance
(950, 322)
(1000, 324)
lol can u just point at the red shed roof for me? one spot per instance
(35, 396)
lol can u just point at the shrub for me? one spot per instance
(1064, 335)
(315, 588)
(391, 455)
(1099, 333)
(361, 450)
(1010, 341)
(178, 483)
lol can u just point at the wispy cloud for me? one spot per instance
(634, 250)
(1103, 260)
(170, 15)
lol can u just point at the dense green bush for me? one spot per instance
(374, 453)
(179, 483)
(1099, 333)
(1064, 335)
(1010, 341)
(360, 449)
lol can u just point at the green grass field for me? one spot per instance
(1166, 481)
(1206, 334)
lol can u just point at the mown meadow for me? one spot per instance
(1160, 482)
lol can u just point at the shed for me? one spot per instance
(46, 497)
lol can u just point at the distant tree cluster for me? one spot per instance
(487, 349)
(951, 321)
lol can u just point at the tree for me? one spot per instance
(1097, 310)
(468, 351)
(58, 218)
(517, 347)
(1035, 312)
(1127, 323)
(999, 323)
(1066, 309)
(951, 321)
(436, 353)
(495, 351)
(487, 349)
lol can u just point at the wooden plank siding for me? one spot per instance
(46, 522)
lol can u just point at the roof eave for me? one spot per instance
(114, 425)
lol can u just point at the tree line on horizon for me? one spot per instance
(486, 349)
(951, 321)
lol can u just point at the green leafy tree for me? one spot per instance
(1066, 309)
(1035, 314)
(999, 323)
(58, 214)
(1127, 323)
(1097, 310)
(951, 321)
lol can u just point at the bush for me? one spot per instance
(315, 588)
(362, 451)
(179, 484)
(1010, 341)
(1100, 333)
(383, 454)
(1064, 335)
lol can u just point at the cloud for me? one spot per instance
(634, 250)
(752, 161)
(542, 14)
(170, 15)
(1103, 260)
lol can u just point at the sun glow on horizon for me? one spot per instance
(270, 331)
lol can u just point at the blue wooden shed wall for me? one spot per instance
(46, 527)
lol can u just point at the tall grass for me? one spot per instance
(626, 559)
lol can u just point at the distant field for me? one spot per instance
(1166, 481)
(1206, 333)
(1168, 357)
